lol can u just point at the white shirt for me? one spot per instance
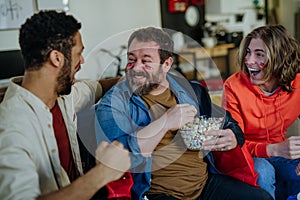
(29, 159)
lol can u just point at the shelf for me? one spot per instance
(217, 58)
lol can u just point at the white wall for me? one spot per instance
(9, 40)
(101, 19)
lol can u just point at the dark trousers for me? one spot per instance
(224, 188)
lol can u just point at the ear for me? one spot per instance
(56, 58)
(168, 64)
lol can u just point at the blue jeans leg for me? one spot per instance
(287, 181)
(266, 175)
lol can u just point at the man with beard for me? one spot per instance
(144, 112)
(39, 153)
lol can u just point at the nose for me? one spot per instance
(249, 59)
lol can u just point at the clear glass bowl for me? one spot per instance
(193, 133)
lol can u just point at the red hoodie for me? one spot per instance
(264, 119)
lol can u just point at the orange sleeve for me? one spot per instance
(257, 149)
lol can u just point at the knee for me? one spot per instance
(264, 169)
(262, 165)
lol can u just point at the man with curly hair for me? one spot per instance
(39, 151)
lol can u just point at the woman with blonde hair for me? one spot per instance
(264, 98)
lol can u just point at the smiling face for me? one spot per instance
(144, 72)
(255, 60)
(76, 54)
(71, 65)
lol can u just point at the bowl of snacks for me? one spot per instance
(193, 133)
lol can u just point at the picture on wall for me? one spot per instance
(13, 13)
(53, 5)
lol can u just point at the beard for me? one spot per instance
(64, 82)
(143, 88)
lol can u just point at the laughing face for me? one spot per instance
(144, 72)
(255, 60)
(71, 65)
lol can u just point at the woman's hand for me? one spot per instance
(289, 149)
(225, 140)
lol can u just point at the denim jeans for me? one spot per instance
(222, 187)
(283, 171)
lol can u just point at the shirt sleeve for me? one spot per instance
(113, 122)
(257, 149)
(18, 173)
(85, 93)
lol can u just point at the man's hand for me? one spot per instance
(113, 158)
(179, 115)
(289, 149)
(173, 119)
(225, 140)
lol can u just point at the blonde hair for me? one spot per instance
(282, 50)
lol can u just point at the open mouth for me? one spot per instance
(77, 68)
(253, 71)
(139, 77)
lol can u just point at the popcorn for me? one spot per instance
(193, 133)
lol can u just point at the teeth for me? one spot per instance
(252, 70)
(139, 76)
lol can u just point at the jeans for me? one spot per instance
(222, 187)
(287, 182)
(266, 175)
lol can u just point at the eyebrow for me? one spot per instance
(144, 56)
(147, 56)
(259, 50)
(256, 50)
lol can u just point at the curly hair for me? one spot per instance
(157, 35)
(283, 55)
(46, 31)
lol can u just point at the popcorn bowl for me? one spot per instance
(193, 133)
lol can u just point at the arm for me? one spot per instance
(131, 123)
(108, 83)
(289, 148)
(231, 102)
(22, 178)
(229, 136)
(86, 93)
(177, 116)
(113, 162)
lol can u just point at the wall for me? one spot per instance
(101, 19)
(287, 14)
(285, 11)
